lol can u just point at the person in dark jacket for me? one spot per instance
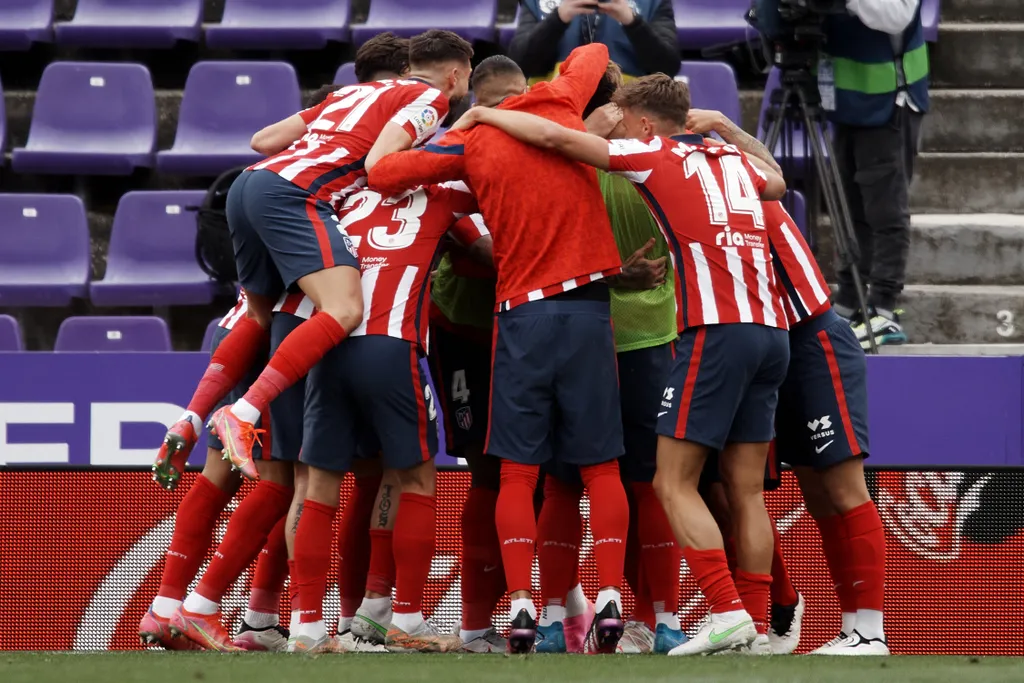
(640, 35)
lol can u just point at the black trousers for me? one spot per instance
(876, 166)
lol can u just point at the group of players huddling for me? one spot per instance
(723, 339)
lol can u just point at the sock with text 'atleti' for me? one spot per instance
(354, 543)
(414, 542)
(193, 532)
(293, 359)
(233, 357)
(609, 521)
(660, 555)
(516, 524)
(268, 579)
(313, 558)
(483, 580)
(866, 547)
(559, 534)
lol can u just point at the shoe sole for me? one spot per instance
(521, 641)
(608, 632)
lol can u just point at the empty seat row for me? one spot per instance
(103, 334)
(45, 252)
(246, 24)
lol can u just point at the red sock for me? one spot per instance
(753, 591)
(381, 577)
(295, 357)
(354, 543)
(866, 539)
(517, 527)
(313, 558)
(834, 545)
(609, 520)
(632, 571)
(193, 532)
(783, 592)
(415, 540)
(483, 581)
(293, 587)
(710, 570)
(559, 535)
(271, 571)
(235, 354)
(247, 532)
(659, 552)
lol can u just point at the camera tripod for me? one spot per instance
(794, 104)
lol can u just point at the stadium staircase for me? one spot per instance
(966, 280)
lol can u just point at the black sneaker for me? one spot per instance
(605, 631)
(522, 634)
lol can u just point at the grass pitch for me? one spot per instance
(177, 667)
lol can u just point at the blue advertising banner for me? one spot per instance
(112, 409)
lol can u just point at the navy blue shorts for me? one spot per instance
(554, 391)
(369, 390)
(282, 233)
(823, 403)
(724, 384)
(642, 377)
(259, 452)
(461, 367)
(287, 409)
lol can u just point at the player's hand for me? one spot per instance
(602, 121)
(639, 272)
(619, 10)
(467, 120)
(570, 9)
(703, 121)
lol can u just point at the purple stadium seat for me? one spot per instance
(152, 259)
(224, 104)
(44, 249)
(712, 86)
(471, 19)
(113, 334)
(508, 31)
(131, 23)
(272, 24)
(930, 19)
(10, 334)
(346, 74)
(208, 335)
(23, 22)
(91, 118)
(706, 23)
(797, 206)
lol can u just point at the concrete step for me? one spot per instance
(979, 55)
(953, 350)
(963, 314)
(968, 183)
(955, 121)
(966, 249)
(982, 10)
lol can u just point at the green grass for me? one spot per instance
(167, 667)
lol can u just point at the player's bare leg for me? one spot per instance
(313, 560)
(193, 532)
(414, 544)
(337, 295)
(291, 525)
(679, 467)
(483, 580)
(853, 540)
(373, 618)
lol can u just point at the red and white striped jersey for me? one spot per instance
(707, 202)
(328, 160)
(398, 239)
(237, 313)
(798, 275)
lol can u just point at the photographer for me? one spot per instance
(873, 80)
(640, 35)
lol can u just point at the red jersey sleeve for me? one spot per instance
(580, 73)
(459, 198)
(422, 109)
(634, 159)
(310, 115)
(434, 164)
(469, 229)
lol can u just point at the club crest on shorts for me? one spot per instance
(464, 417)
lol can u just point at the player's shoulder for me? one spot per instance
(629, 146)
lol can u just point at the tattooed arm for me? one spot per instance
(703, 121)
